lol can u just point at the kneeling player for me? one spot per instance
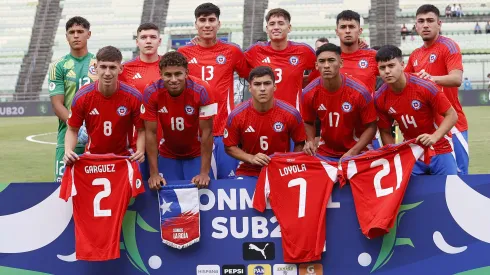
(342, 104)
(109, 108)
(185, 108)
(262, 126)
(414, 103)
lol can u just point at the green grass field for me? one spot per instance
(26, 161)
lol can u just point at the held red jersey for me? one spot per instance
(109, 120)
(216, 66)
(415, 109)
(360, 64)
(288, 65)
(340, 113)
(298, 188)
(269, 132)
(101, 186)
(379, 180)
(439, 59)
(179, 116)
(139, 74)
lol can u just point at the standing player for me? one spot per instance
(262, 126)
(143, 70)
(110, 109)
(66, 75)
(342, 104)
(288, 59)
(440, 60)
(215, 61)
(185, 108)
(415, 104)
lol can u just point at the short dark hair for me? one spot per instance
(147, 26)
(77, 20)
(376, 48)
(387, 53)
(278, 12)
(109, 53)
(349, 15)
(207, 9)
(322, 39)
(172, 59)
(328, 48)
(428, 8)
(261, 71)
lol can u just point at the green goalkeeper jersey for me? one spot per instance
(66, 75)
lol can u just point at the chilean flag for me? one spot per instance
(179, 215)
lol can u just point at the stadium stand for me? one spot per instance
(15, 32)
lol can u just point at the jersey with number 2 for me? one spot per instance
(298, 187)
(101, 186)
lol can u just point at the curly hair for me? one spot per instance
(172, 59)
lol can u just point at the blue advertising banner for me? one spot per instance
(443, 227)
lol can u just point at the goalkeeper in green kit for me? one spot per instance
(65, 77)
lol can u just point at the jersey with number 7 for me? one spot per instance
(109, 120)
(101, 186)
(298, 187)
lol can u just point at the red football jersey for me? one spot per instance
(109, 120)
(216, 65)
(101, 186)
(439, 59)
(288, 65)
(179, 116)
(340, 112)
(298, 188)
(415, 109)
(139, 74)
(379, 180)
(266, 133)
(360, 64)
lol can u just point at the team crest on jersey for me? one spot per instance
(189, 110)
(363, 64)
(416, 104)
(91, 69)
(225, 133)
(294, 60)
(122, 110)
(346, 107)
(52, 86)
(142, 109)
(432, 58)
(278, 127)
(69, 114)
(221, 59)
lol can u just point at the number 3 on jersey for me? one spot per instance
(102, 194)
(278, 75)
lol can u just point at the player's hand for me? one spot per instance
(260, 159)
(424, 75)
(349, 153)
(426, 139)
(156, 182)
(138, 156)
(70, 157)
(195, 40)
(362, 43)
(202, 180)
(310, 148)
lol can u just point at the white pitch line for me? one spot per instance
(31, 138)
